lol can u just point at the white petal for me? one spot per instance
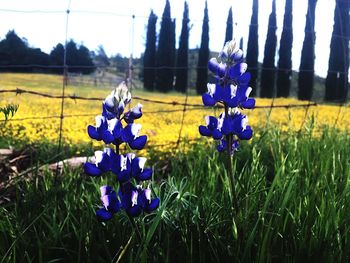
(142, 161)
(211, 88)
(233, 90)
(248, 91)
(98, 156)
(135, 129)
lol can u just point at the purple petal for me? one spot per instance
(248, 104)
(212, 122)
(145, 175)
(232, 102)
(217, 135)
(244, 79)
(103, 215)
(153, 205)
(226, 126)
(138, 143)
(117, 129)
(126, 134)
(208, 100)
(217, 68)
(93, 133)
(204, 131)
(91, 169)
(222, 146)
(107, 137)
(134, 211)
(247, 134)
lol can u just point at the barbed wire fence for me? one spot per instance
(67, 79)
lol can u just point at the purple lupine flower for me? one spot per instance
(212, 129)
(129, 166)
(135, 200)
(147, 203)
(133, 114)
(126, 167)
(232, 91)
(96, 132)
(130, 135)
(111, 204)
(115, 103)
(102, 162)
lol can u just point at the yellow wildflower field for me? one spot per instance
(38, 117)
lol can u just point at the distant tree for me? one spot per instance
(307, 61)
(182, 54)
(241, 43)
(172, 52)
(85, 60)
(203, 56)
(337, 82)
(149, 60)
(253, 47)
(14, 52)
(268, 73)
(78, 58)
(56, 58)
(284, 71)
(100, 57)
(121, 63)
(229, 27)
(164, 56)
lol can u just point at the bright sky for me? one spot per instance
(113, 27)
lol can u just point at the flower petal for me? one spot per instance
(91, 169)
(103, 215)
(145, 175)
(152, 206)
(93, 133)
(244, 79)
(107, 137)
(138, 143)
(208, 100)
(217, 135)
(247, 134)
(204, 131)
(249, 104)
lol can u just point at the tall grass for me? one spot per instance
(293, 194)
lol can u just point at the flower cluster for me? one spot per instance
(232, 91)
(127, 168)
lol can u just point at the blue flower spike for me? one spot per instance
(111, 204)
(232, 91)
(128, 169)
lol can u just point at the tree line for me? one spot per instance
(17, 56)
(166, 68)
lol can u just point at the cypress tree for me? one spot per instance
(268, 72)
(182, 54)
(241, 43)
(203, 56)
(173, 51)
(164, 56)
(229, 27)
(338, 65)
(307, 61)
(149, 60)
(284, 72)
(253, 47)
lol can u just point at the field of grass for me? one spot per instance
(293, 187)
(293, 196)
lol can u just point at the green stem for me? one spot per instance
(229, 167)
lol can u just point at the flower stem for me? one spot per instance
(229, 167)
